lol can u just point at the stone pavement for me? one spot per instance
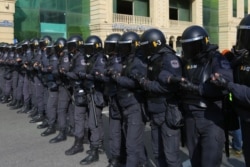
(22, 146)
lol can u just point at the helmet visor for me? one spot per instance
(192, 49)
(71, 46)
(89, 49)
(110, 48)
(243, 39)
(125, 48)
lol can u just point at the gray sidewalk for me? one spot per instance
(22, 146)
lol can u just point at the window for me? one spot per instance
(125, 7)
(173, 14)
(131, 7)
(180, 10)
(245, 7)
(52, 17)
(234, 8)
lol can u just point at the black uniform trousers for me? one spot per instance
(133, 127)
(205, 138)
(165, 142)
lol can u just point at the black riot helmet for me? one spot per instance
(92, 45)
(111, 43)
(243, 34)
(128, 43)
(10, 46)
(152, 40)
(34, 43)
(194, 41)
(50, 48)
(19, 48)
(74, 43)
(44, 41)
(25, 45)
(60, 45)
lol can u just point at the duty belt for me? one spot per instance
(200, 103)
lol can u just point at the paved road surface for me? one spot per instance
(22, 146)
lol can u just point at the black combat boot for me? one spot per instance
(33, 113)
(60, 137)
(44, 124)
(38, 118)
(114, 162)
(101, 149)
(32, 110)
(5, 99)
(12, 103)
(50, 130)
(92, 157)
(76, 148)
(24, 109)
(18, 105)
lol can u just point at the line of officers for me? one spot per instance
(67, 83)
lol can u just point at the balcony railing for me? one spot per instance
(131, 19)
(176, 23)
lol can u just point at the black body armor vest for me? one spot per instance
(242, 72)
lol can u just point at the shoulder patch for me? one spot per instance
(175, 63)
(66, 59)
(225, 64)
(117, 60)
(102, 61)
(83, 62)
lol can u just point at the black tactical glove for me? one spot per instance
(174, 80)
(140, 78)
(82, 75)
(115, 75)
(108, 72)
(189, 86)
(219, 80)
(99, 75)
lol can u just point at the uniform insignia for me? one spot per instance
(150, 68)
(225, 64)
(66, 59)
(83, 62)
(102, 61)
(174, 63)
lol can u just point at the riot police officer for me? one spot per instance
(110, 90)
(52, 71)
(27, 56)
(14, 75)
(162, 64)
(8, 57)
(77, 64)
(130, 98)
(96, 61)
(18, 68)
(38, 90)
(43, 64)
(63, 92)
(240, 89)
(202, 101)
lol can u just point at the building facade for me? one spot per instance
(7, 10)
(63, 18)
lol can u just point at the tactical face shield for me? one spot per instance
(243, 38)
(71, 46)
(192, 47)
(110, 47)
(89, 48)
